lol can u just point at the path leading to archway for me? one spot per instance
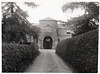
(48, 61)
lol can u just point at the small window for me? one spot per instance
(47, 39)
(58, 40)
(64, 24)
(68, 32)
(48, 25)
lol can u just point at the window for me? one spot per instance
(47, 39)
(68, 32)
(58, 40)
(64, 25)
(48, 25)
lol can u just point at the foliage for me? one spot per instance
(92, 8)
(82, 25)
(83, 21)
(16, 58)
(35, 31)
(14, 23)
(31, 4)
(81, 51)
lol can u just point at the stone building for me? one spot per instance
(52, 32)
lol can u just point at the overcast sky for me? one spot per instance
(48, 8)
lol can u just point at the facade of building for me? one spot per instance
(51, 33)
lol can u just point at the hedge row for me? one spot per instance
(81, 52)
(16, 58)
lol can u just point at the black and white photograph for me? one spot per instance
(50, 36)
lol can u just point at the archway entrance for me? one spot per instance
(47, 42)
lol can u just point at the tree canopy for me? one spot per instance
(82, 22)
(14, 22)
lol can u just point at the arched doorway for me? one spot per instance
(47, 42)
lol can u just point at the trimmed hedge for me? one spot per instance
(16, 58)
(81, 51)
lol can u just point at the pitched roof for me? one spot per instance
(48, 18)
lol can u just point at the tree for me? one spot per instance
(14, 23)
(82, 22)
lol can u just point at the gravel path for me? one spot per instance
(48, 62)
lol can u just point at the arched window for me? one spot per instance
(68, 32)
(48, 25)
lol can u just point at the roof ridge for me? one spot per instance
(48, 18)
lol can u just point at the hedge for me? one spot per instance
(81, 52)
(16, 58)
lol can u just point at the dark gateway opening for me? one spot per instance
(47, 42)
